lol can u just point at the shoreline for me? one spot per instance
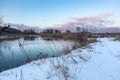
(90, 63)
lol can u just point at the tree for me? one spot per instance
(68, 31)
(29, 31)
(57, 31)
(51, 31)
(78, 29)
(3, 28)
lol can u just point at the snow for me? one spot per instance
(98, 61)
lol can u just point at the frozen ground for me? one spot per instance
(98, 61)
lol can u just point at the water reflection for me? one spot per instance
(33, 47)
(31, 38)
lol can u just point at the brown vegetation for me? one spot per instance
(65, 36)
(117, 37)
(81, 37)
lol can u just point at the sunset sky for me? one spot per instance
(45, 13)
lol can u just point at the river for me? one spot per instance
(14, 53)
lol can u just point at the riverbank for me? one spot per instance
(98, 61)
(16, 36)
(8, 37)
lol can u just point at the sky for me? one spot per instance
(45, 13)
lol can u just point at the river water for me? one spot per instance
(14, 53)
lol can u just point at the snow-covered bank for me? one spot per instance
(98, 61)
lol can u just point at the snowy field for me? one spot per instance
(98, 61)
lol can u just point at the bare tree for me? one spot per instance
(3, 28)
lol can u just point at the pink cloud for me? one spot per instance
(115, 26)
(92, 18)
(97, 20)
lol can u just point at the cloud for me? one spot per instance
(92, 18)
(89, 21)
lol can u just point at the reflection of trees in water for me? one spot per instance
(4, 47)
(31, 38)
(25, 51)
(0, 49)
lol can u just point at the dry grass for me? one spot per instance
(78, 44)
(80, 39)
(65, 36)
(117, 37)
